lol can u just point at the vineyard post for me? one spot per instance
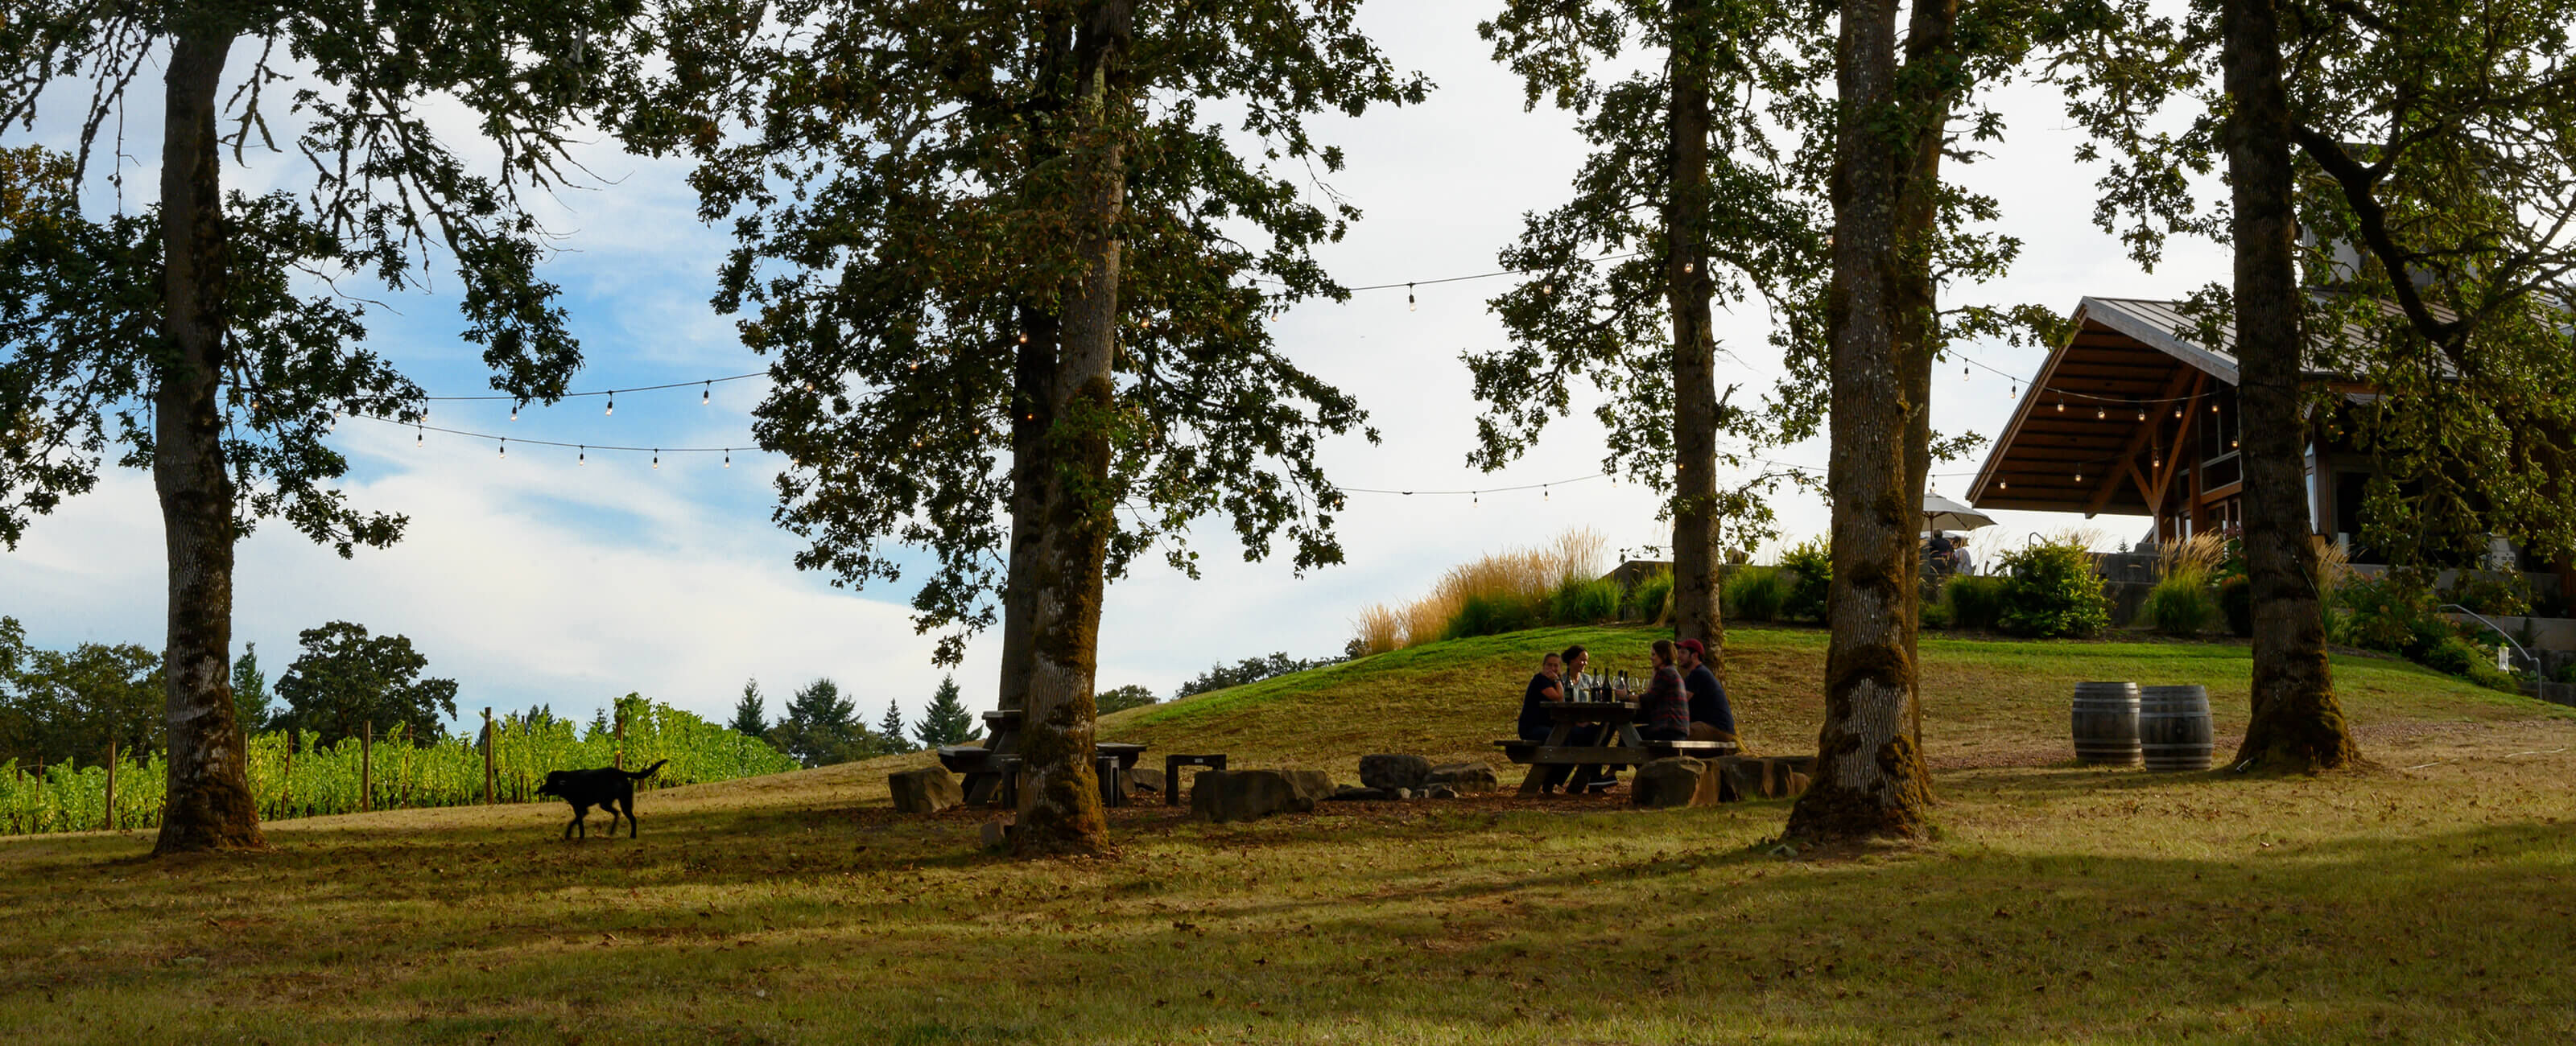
(366, 763)
(111, 782)
(490, 741)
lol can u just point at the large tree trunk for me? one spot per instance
(1929, 38)
(209, 805)
(1060, 808)
(2297, 723)
(1870, 779)
(1696, 613)
(1032, 413)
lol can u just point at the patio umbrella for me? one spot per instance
(1940, 513)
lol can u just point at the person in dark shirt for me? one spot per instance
(1939, 549)
(1664, 713)
(1711, 718)
(1554, 682)
(1547, 685)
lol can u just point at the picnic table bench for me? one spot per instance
(992, 768)
(1622, 747)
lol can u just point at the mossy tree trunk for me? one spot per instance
(209, 800)
(1870, 780)
(1688, 287)
(2297, 724)
(1060, 810)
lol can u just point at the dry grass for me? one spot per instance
(2194, 556)
(2057, 904)
(1523, 575)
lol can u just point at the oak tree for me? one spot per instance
(1015, 277)
(202, 337)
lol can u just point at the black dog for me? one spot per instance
(607, 788)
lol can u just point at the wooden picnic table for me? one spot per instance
(1622, 746)
(989, 768)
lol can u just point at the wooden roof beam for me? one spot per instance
(2190, 377)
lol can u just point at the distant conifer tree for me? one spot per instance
(945, 722)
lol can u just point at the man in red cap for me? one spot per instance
(1712, 719)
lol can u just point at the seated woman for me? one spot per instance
(1664, 713)
(1552, 684)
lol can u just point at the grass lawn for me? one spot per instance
(2427, 899)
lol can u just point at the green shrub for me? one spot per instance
(2393, 614)
(2182, 605)
(1584, 601)
(2494, 595)
(1652, 598)
(2050, 591)
(1934, 614)
(1486, 615)
(2236, 601)
(1973, 602)
(1755, 594)
(2453, 655)
(1811, 564)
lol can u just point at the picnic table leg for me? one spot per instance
(1537, 778)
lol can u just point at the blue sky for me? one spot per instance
(532, 579)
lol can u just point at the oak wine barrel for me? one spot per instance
(2173, 727)
(2106, 724)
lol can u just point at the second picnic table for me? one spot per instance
(1622, 747)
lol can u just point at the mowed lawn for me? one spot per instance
(2426, 899)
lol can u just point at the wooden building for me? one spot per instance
(2135, 417)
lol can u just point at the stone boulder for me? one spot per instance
(1677, 781)
(1394, 771)
(1355, 793)
(1464, 778)
(1758, 777)
(1145, 779)
(1221, 796)
(924, 791)
(1440, 792)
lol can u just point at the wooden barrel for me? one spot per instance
(2106, 724)
(2173, 727)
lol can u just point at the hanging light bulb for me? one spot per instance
(514, 412)
(2003, 484)
(1542, 492)
(2079, 473)
(418, 438)
(505, 447)
(707, 395)
(728, 457)
(2100, 413)
(2061, 406)
(657, 457)
(1024, 337)
(2177, 413)
(612, 403)
(1688, 268)
(2142, 414)
(1408, 299)
(2013, 393)
(1963, 372)
(583, 457)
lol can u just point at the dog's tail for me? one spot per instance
(646, 772)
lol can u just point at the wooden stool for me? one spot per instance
(1172, 765)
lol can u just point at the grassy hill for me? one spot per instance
(2424, 899)
(1986, 701)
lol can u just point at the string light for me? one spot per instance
(1409, 306)
(505, 446)
(2002, 483)
(514, 413)
(707, 394)
(612, 405)
(2142, 414)
(2061, 406)
(2079, 473)
(657, 458)
(2013, 393)
(419, 439)
(728, 459)
(582, 457)
(2100, 413)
